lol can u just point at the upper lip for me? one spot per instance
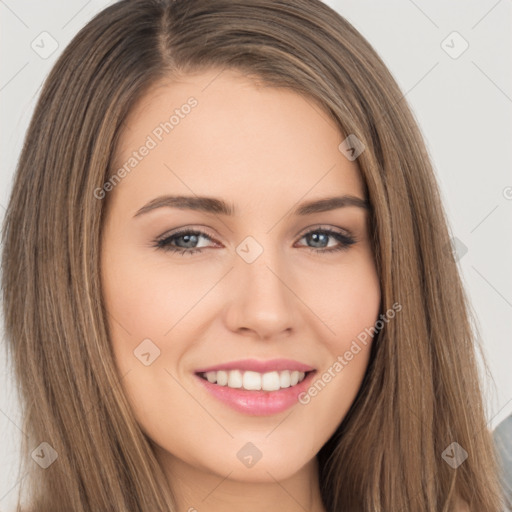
(259, 366)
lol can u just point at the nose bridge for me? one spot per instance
(260, 264)
(262, 300)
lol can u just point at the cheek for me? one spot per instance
(349, 305)
(345, 297)
(147, 301)
(148, 297)
(359, 302)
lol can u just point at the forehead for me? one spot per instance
(221, 133)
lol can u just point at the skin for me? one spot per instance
(266, 150)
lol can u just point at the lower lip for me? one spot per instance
(258, 403)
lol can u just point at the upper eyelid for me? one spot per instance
(185, 231)
(323, 227)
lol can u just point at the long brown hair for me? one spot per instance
(421, 391)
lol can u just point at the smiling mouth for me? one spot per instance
(255, 381)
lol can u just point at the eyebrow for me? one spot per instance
(219, 206)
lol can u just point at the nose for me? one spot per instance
(261, 298)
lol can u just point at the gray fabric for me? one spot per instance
(503, 441)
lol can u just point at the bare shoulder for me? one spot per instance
(461, 506)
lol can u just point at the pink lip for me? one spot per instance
(259, 366)
(258, 403)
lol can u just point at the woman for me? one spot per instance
(234, 289)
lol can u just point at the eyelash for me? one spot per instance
(164, 243)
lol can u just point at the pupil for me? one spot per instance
(316, 236)
(189, 238)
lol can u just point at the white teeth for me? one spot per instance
(270, 381)
(222, 378)
(211, 376)
(235, 379)
(284, 379)
(253, 381)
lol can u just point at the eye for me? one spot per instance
(186, 241)
(320, 238)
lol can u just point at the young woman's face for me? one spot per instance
(274, 291)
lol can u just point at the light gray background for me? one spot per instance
(463, 106)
